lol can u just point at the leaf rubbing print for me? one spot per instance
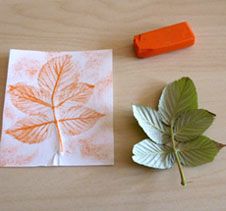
(59, 101)
(77, 119)
(29, 100)
(175, 130)
(31, 130)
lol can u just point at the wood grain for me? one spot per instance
(82, 25)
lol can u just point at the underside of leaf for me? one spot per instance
(151, 123)
(153, 155)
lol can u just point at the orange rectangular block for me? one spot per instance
(163, 40)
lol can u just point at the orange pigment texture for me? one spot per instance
(163, 40)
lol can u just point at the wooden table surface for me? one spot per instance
(86, 25)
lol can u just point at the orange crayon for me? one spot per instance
(163, 40)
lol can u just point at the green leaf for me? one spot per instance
(192, 123)
(150, 122)
(175, 130)
(177, 97)
(153, 155)
(199, 151)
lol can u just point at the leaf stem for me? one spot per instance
(183, 179)
(58, 130)
(61, 147)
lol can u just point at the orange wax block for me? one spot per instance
(163, 40)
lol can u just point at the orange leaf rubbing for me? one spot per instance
(58, 82)
(31, 130)
(57, 74)
(29, 100)
(79, 119)
(75, 92)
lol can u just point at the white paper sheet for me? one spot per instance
(58, 109)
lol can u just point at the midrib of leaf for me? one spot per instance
(38, 125)
(56, 121)
(34, 125)
(183, 179)
(31, 98)
(76, 118)
(37, 100)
